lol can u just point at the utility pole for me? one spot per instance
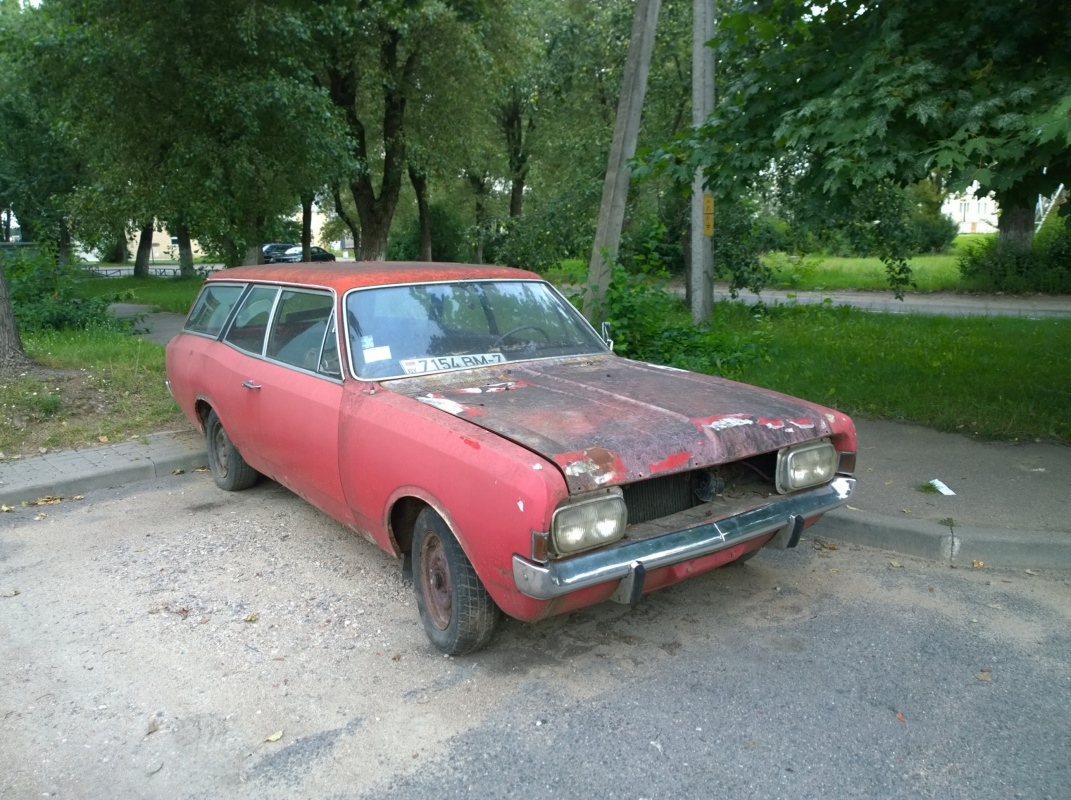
(701, 279)
(622, 148)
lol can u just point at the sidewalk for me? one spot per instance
(947, 304)
(1009, 510)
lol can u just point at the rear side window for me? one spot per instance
(301, 323)
(250, 324)
(212, 308)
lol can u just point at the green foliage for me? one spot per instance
(648, 323)
(992, 265)
(736, 249)
(44, 295)
(996, 377)
(448, 237)
(846, 97)
(561, 227)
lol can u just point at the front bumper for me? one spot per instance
(631, 560)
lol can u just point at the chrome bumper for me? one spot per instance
(632, 560)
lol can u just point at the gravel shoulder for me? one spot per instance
(164, 633)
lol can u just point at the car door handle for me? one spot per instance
(250, 385)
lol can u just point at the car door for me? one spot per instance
(299, 399)
(239, 372)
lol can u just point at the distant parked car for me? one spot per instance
(294, 255)
(469, 419)
(273, 250)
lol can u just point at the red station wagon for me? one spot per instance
(469, 418)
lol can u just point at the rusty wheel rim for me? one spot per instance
(219, 443)
(435, 581)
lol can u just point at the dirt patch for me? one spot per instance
(44, 408)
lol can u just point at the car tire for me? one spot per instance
(458, 614)
(229, 469)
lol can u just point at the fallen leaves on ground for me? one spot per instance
(895, 564)
(251, 618)
(6, 509)
(1031, 571)
(978, 564)
(900, 716)
(47, 500)
(984, 674)
(102, 439)
(275, 737)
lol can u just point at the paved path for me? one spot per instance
(941, 303)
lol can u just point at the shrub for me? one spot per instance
(1045, 267)
(44, 297)
(651, 324)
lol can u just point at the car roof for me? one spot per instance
(349, 274)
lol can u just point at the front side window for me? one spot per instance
(299, 328)
(212, 308)
(250, 324)
(395, 331)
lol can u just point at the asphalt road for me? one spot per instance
(164, 633)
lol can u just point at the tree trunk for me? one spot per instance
(5, 232)
(353, 225)
(11, 353)
(141, 261)
(511, 122)
(117, 252)
(420, 186)
(1016, 223)
(63, 244)
(481, 188)
(306, 228)
(185, 250)
(377, 212)
(622, 148)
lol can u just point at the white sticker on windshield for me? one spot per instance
(373, 354)
(367, 343)
(417, 366)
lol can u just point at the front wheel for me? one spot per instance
(229, 469)
(459, 615)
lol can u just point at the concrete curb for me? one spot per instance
(959, 547)
(72, 472)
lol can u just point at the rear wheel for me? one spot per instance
(229, 469)
(459, 615)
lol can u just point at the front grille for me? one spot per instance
(655, 498)
(658, 497)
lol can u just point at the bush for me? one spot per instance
(650, 324)
(44, 297)
(1044, 267)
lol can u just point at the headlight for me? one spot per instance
(805, 465)
(589, 522)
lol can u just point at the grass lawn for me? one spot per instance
(103, 385)
(830, 273)
(995, 377)
(165, 294)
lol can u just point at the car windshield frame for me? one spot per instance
(388, 347)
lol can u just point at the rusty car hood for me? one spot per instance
(606, 420)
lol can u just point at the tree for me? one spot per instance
(853, 95)
(193, 113)
(378, 61)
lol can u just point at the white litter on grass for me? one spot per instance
(939, 486)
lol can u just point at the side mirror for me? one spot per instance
(606, 336)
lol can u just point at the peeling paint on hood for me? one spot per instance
(606, 420)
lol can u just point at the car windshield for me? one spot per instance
(395, 331)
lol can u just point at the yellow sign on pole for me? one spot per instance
(708, 214)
